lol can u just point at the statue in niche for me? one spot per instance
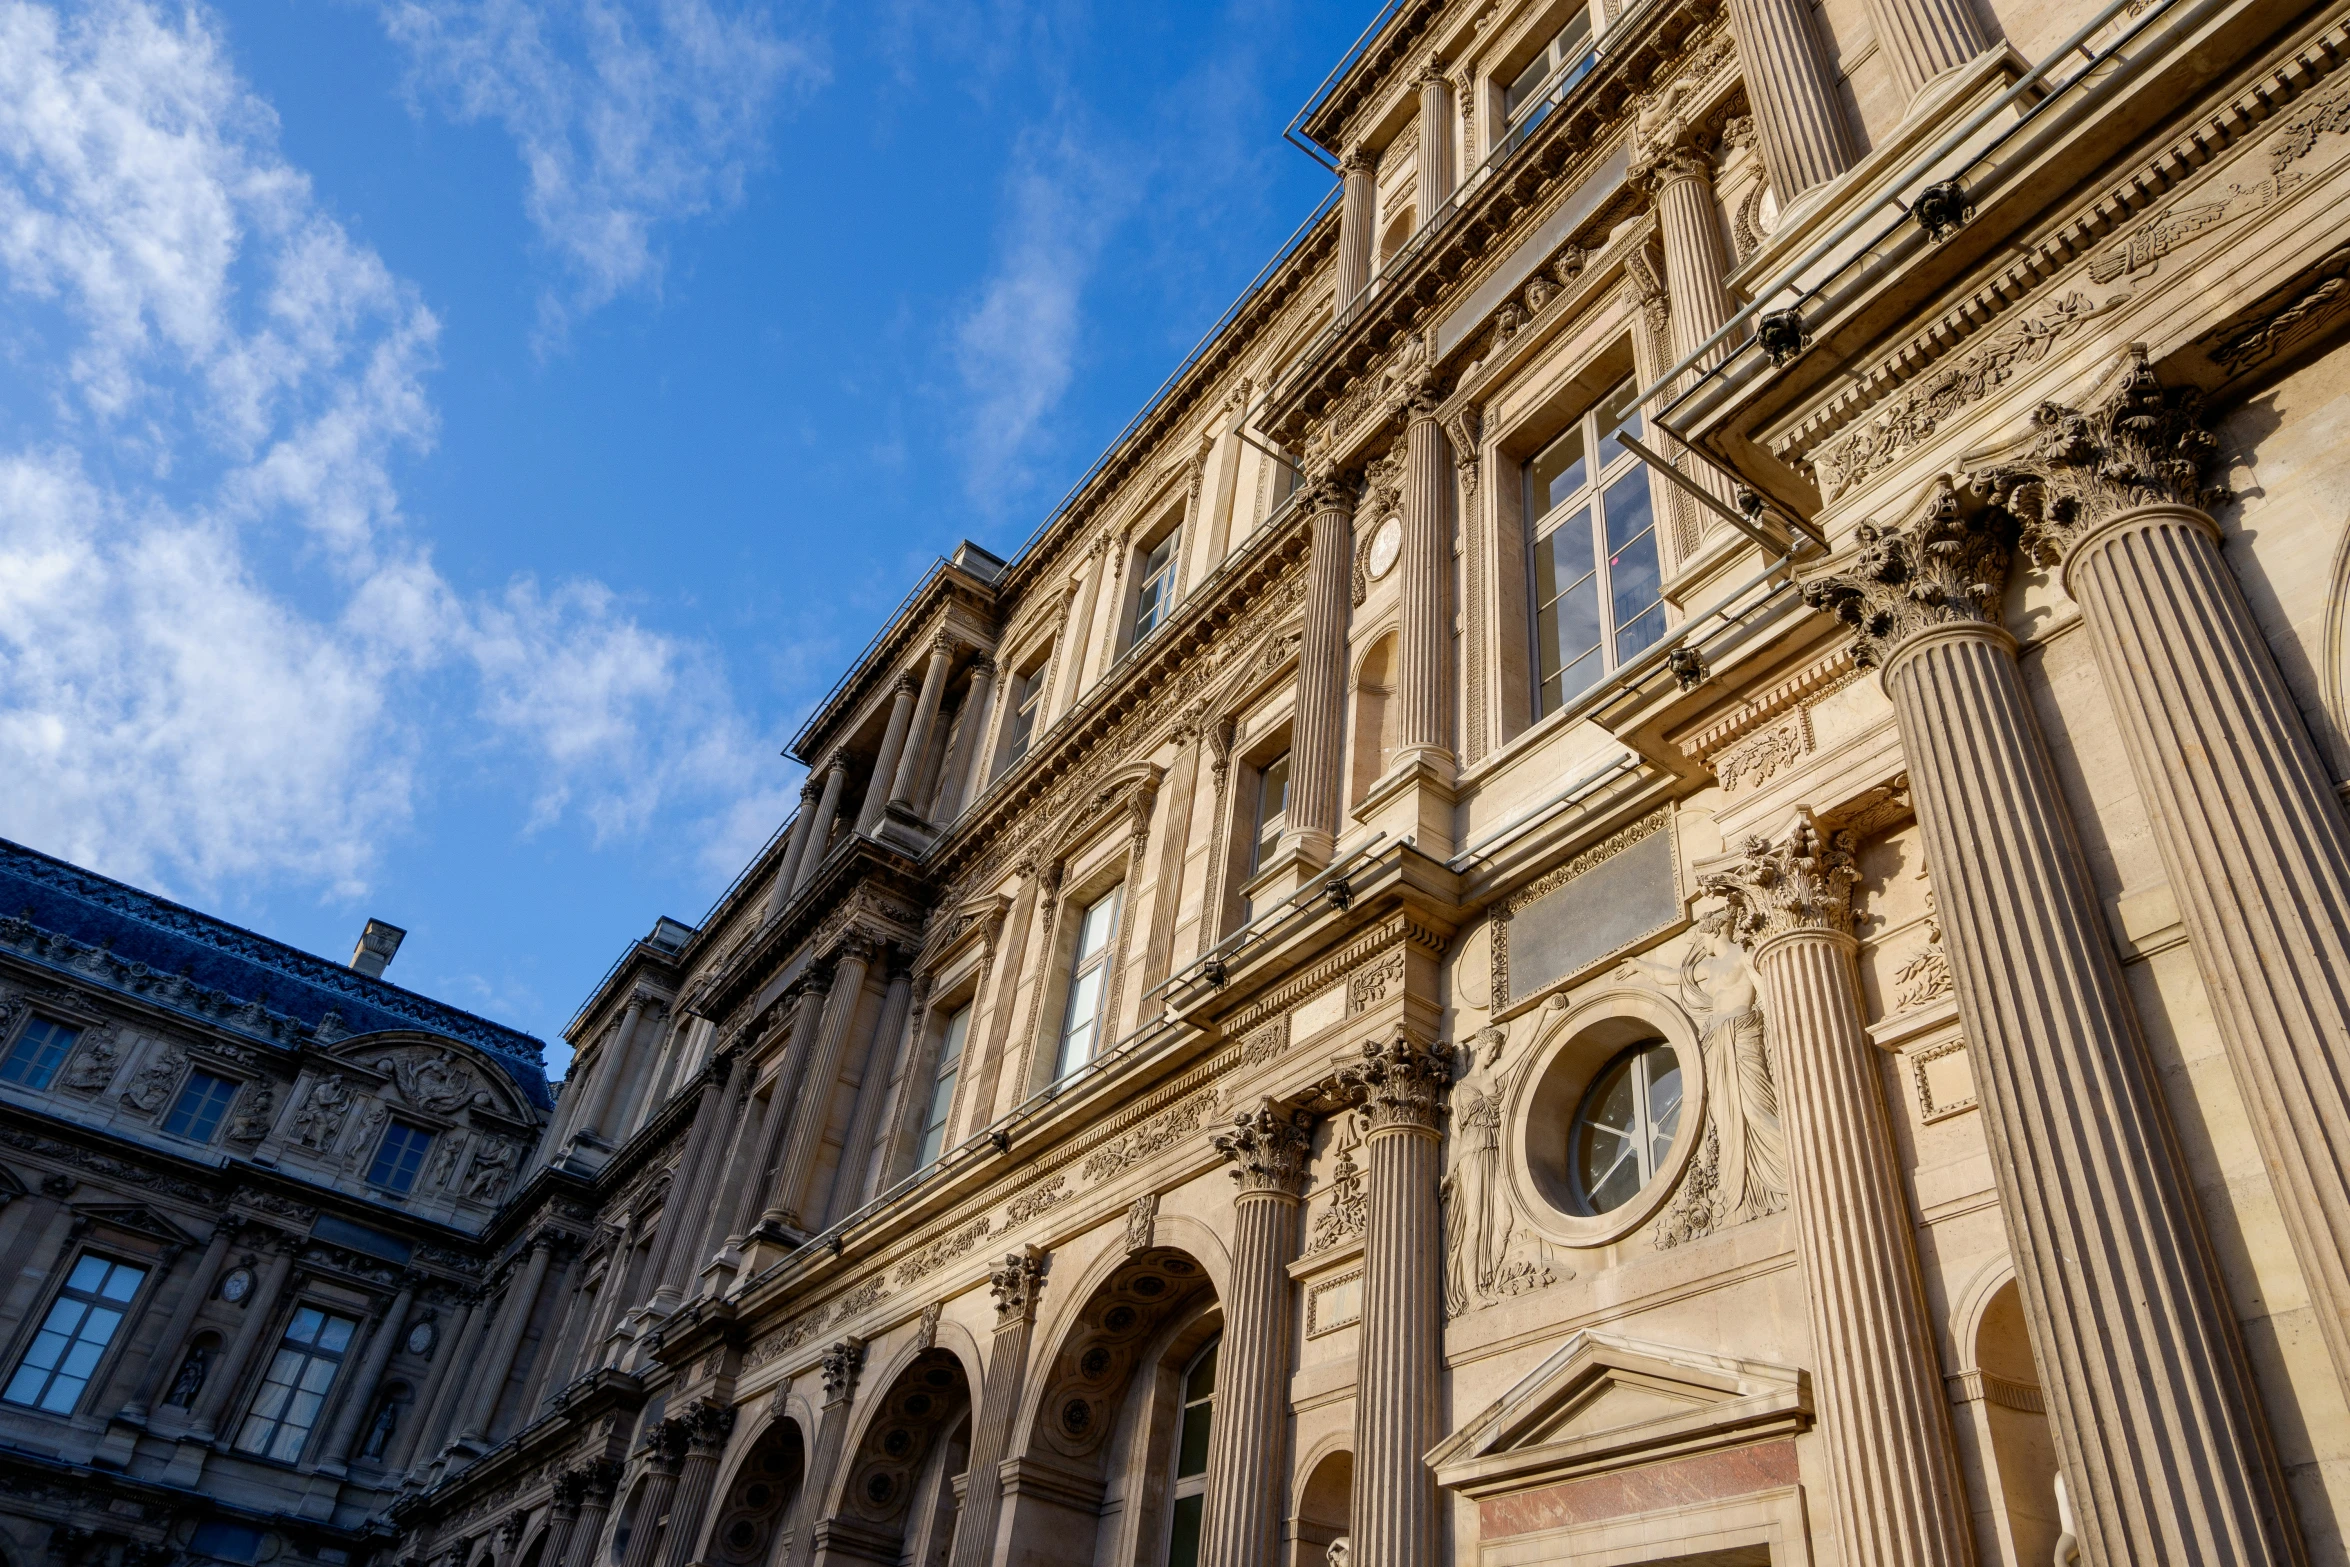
(190, 1382)
(1741, 1170)
(256, 1108)
(444, 1168)
(320, 1120)
(379, 1431)
(1488, 1256)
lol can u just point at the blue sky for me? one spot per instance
(447, 445)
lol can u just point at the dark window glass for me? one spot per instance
(81, 1322)
(203, 1100)
(295, 1387)
(1597, 575)
(1625, 1126)
(38, 1052)
(1157, 593)
(942, 1089)
(399, 1158)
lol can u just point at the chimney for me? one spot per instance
(377, 943)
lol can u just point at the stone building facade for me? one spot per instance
(1656, 873)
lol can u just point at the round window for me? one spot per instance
(1624, 1128)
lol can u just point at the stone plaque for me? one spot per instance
(1613, 895)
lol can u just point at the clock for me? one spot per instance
(237, 1285)
(1386, 545)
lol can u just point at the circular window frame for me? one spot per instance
(1568, 1056)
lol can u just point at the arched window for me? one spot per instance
(1625, 1126)
(1191, 1458)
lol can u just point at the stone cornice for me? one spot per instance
(1372, 74)
(1808, 682)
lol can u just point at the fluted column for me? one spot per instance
(1800, 124)
(1436, 139)
(564, 1499)
(164, 1361)
(774, 1125)
(260, 1316)
(1679, 175)
(789, 1192)
(600, 1480)
(521, 1299)
(1424, 636)
(954, 774)
(836, 778)
(2166, 1457)
(1398, 1398)
(390, 1328)
(1922, 39)
(1882, 1408)
(664, 1449)
(708, 1424)
(689, 1189)
(916, 750)
(880, 1052)
(839, 1366)
(451, 1348)
(2252, 837)
(1250, 1435)
(795, 844)
(1317, 728)
(1358, 199)
(893, 747)
(611, 1070)
(1015, 1282)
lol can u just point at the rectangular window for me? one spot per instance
(1088, 978)
(1272, 810)
(1157, 592)
(299, 1376)
(1027, 708)
(942, 1089)
(38, 1052)
(81, 1323)
(203, 1100)
(1537, 88)
(399, 1158)
(1597, 578)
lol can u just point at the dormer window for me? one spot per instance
(1155, 591)
(1558, 65)
(399, 1158)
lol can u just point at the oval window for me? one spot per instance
(1624, 1128)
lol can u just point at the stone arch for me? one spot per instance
(535, 1553)
(887, 1501)
(2001, 1415)
(1371, 717)
(758, 1496)
(1323, 1509)
(1066, 1296)
(1088, 1450)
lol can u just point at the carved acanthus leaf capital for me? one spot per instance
(1803, 882)
(1947, 567)
(1014, 1283)
(602, 1476)
(708, 1423)
(2144, 445)
(1331, 491)
(1399, 1083)
(1269, 1149)
(839, 1366)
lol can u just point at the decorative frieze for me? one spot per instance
(1161, 1131)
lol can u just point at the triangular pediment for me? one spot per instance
(135, 1219)
(1603, 1401)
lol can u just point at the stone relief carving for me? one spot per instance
(1764, 755)
(94, 1060)
(1050, 1192)
(1163, 1130)
(1489, 1255)
(152, 1083)
(1740, 1170)
(431, 1082)
(256, 1110)
(944, 1250)
(491, 1169)
(320, 1120)
(1142, 1223)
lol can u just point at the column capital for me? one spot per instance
(942, 644)
(2140, 444)
(1432, 73)
(570, 1493)
(601, 1476)
(1328, 491)
(1802, 882)
(1399, 1084)
(1945, 567)
(983, 663)
(907, 684)
(708, 1423)
(1354, 161)
(1269, 1148)
(1014, 1282)
(839, 1366)
(665, 1445)
(837, 762)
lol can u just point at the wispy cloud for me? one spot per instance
(1016, 346)
(627, 115)
(224, 651)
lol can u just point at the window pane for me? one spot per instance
(1183, 1532)
(1558, 474)
(1193, 1457)
(1084, 996)
(1527, 80)
(202, 1101)
(39, 1051)
(122, 1281)
(1619, 411)
(1570, 550)
(1202, 1381)
(88, 1274)
(64, 1354)
(1099, 920)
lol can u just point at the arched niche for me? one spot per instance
(756, 1505)
(1371, 701)
(2001, 1415)
(1325, 1503)
(898, 1499)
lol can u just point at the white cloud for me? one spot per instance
(626, 115)
(224, 651)
(1016, 347)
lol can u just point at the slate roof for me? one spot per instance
(108, 933)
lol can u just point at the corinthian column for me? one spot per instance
(1882, 1408)
(1398, 1414)
(1926, 38)
(689, 1188)
(795, 844)
(1268, 1150)
(1015, 1283)
(359, 1398)
(893, 746)
(836, 778)
(1358, 194)
(599, 1477)
(2252, 836)
(1801, 125)
(805, 1116)
(1424, 637)
(569, 1490)
(521, 1300)
(664, 1449)
(1315, 730)
(2162, 1465)
(708, 1424)
(839, 1367)
(916, 750)
(1436, 122)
